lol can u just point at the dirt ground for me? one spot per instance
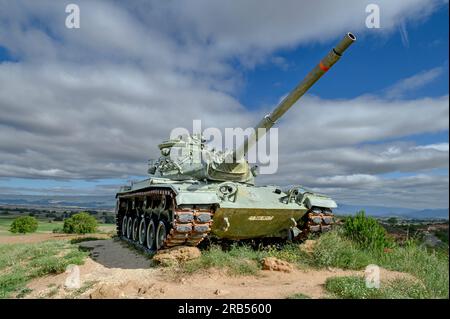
(39, 237)
(117, 271)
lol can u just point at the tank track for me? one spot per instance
(189, 225)
(317, 220)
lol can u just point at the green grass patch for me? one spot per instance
(239, 260)
(429, 266)
(354, 287)
(335, 249)
(20, 263)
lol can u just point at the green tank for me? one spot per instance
(194, 192)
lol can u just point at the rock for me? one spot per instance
(272, 263)
(308, 246)
(220, 292)
(107, 291)
(172, 256)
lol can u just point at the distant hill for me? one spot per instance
(381, 211)
(92, 202)
(108, 202)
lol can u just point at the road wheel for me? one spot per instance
(129, 227)
(124, 226)
(161, 234)
(142, 231)
(135, 228)
(150, 234)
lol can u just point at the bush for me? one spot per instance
(24, 224)
(81, 223)
(367, 232)
(334, 250)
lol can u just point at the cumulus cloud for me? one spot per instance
(93, 103)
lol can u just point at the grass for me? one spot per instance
(429, 266)
(85, 287)
(333, 249)
(240, 260)
(299, 296)
(354, 287)
(20, 263)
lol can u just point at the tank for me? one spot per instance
(194, 192)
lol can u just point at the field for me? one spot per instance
(331, 266)
(45, 226)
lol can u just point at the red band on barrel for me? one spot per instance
(323, 67)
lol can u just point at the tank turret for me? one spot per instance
(187, 157)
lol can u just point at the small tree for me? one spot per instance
(81, 223)
(24, 224)
(366, 231)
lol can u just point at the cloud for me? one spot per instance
(93, 103)
(414, 82)
(404, 34)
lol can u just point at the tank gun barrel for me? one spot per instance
(315, 74)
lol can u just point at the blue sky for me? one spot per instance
(375, 62)
(81, 109)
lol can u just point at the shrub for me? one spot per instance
(81, 223)
(367, 232)
(24, 224)
(334, 250)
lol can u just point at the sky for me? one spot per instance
(82, 110)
